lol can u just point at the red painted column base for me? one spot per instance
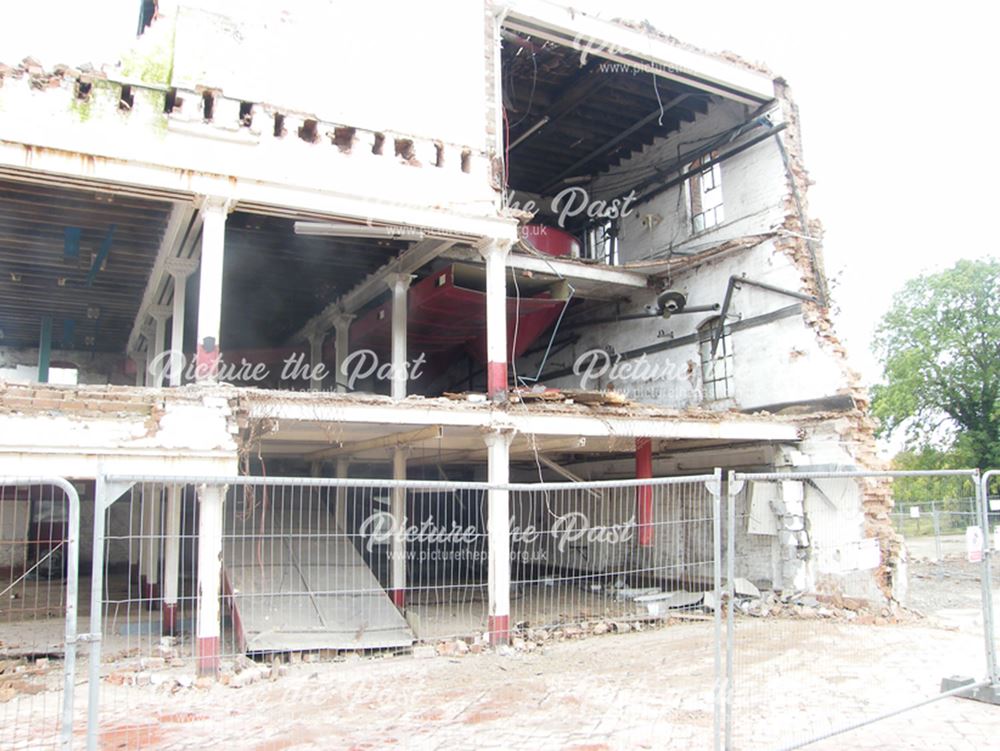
(496, 379)
(150, 592)
(499, 628)
(644, 493)
(206, 364)
(208, 655)
(168, 617)
(398, 597)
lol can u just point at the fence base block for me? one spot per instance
(987, 694)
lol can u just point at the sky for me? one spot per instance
(898, 117)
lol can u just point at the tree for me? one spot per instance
(939, 346)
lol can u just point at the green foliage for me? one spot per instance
(921, 490)
(939, 347)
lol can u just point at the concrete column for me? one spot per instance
(340, 509)
(316, 340)
(179, 269)
(342, 328)
(397, 589)
(135, 532)
(498, 536)
(44, 349)
(172, 559)
(209, 627)
(150, 547)
(148, 331)
(159, 314)
(495, 254)
(644, 493)
(213, 240)
(400, 284)
(139, 358)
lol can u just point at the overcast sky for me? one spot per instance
(898, 121)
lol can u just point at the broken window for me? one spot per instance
(601, 242)
(705, 193)
(716, 347)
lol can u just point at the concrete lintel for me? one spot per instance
(573, 271)
(542, 423)
(599, 38)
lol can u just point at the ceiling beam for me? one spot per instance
(173, 236)
(416, 256)
(396, 440)
(605, 147)
(583, 85)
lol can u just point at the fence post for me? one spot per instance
(105, 494)
(716, 492)
(982, 506)
(937, 530)
(733, 488)
(209, 627)
(498, 535)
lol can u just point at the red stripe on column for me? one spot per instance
(398, 597)
(499, 628)
(169, 618)
(496, 378)
(206, 363)
(150, 593)
(208, 655)
(644, 493)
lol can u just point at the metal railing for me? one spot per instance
(39, 548)
(763, 580)
(836, 604)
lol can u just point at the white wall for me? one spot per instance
(754, 189)
(774, 363)
(415, 68)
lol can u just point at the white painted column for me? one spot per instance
(213, 241)
(397, 587)
(400, 284)
(172, 559)
(139, 358)
(495, 255)
(150, 548)
(498, 535)
(340, 509)
(316, 340)
(148, 330)
(179, 269)
(342, 344)
(159, 314)
(209, 627)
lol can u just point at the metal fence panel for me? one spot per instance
(316, 569)
(39, 558)
(849, 625)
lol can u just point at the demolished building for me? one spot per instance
(524, 245)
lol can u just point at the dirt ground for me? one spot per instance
(794, 678)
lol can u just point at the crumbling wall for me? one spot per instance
(21, 365)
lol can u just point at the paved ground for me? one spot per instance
(638, 690)
(794, 679)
